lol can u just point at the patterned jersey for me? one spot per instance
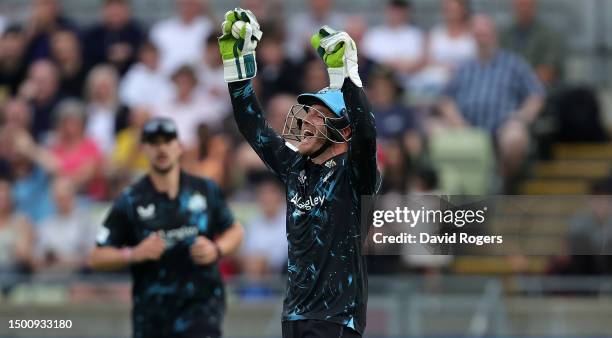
(327, 278)
(173, 295)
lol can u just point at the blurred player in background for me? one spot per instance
(333, 165)
(170, 228)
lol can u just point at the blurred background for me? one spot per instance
(470, 97)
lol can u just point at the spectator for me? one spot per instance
(66, 52)
(70, 154)
(540, 46)
(16, 115)
(393, 119)
(448, 46)
(30, 182)
(66, 235)
(180, 39)
(188, 109)
(498, 92)
(12, 62)
(265, 247)
(41, 89)
(105, 116)
(276, 71)
(382, 43)
(144, 84)
(210, 73)
(210, 157)
(127, 158)
(116, 39)
(45, 19)
(301, 27)
(16, 236)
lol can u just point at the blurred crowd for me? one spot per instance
(74, 97)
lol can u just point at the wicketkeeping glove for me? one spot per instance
(241, 34)
(339, 53)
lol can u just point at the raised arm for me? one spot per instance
(271, 148)
(362, 146)
(339, 52)
(240, 37)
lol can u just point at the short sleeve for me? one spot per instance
(115, 230)
(527, 80)
(223, 217)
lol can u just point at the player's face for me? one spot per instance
(313, 130)
(163, 154)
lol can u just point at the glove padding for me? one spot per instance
(238, 54)
(339, 52)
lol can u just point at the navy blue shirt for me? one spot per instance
(171, 296)
(488, 92)
(327, 277)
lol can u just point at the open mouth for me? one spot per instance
(307, 134)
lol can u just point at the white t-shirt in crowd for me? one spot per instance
(180, 43)
(447, 49)
(267, 237)
(383, 43)
(66, 237)
(100, 126)
(143, 86)
(446, 54)
(188, 115)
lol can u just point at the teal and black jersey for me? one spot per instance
(327, 278)
(172, 297)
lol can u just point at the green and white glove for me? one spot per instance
(241, 34)
(339, 52)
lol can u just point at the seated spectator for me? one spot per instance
(70, 154)
(66, 235)
(448, 46)
(66, 52)
(499, 93)
(396, 44)
(116, 39)
(276, 71)
(41, 89)
(31, 188)
(105, 116)
(16, 115)
(540, 46)
(30, 182)
(189, 108)
(16, 235)
(210, 74)
(46, 17)
(127, 158)
(144, 84)
(393, 119)
(302, 25)
(13, 66)
(180, 39)
(265, 247)
(210, 157)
